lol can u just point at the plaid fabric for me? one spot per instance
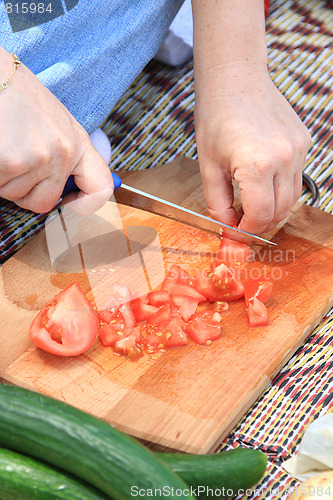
(153, 123)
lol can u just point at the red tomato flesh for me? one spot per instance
(213, 293)
(231, 251)
(141, 309)
(257, 313)
(110, 334)
(187, 305)
(158, 297)
(204, 327)
(179, 281)
(66, 326)
(130, 345)
(261, 289)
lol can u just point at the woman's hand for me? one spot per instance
(41, 144)
(247, 131)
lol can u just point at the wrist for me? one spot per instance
(230, 79)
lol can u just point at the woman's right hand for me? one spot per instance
(41, 144)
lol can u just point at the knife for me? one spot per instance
(136, 198)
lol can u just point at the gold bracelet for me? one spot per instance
(16, 65)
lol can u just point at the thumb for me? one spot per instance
(94, 179)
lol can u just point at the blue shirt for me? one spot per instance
(86, 52)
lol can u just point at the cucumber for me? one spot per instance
(24, 478)
(229, 471)
(80, 444)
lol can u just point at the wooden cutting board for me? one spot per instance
(187, 398)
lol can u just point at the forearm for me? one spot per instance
(229, 37)
(6, 64)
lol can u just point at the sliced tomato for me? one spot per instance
(109, 335)
(130, 345)
(141, 309)
(128, 315)
(231, 251)
(158, 297)
(179, 281)
(187, 305)
(107, 315)
(162, 314)
(223, 277)
(118, 316)
(261, 289)
(212, 293)
(178, 274)
(66, 326)
(174, 332)
(257, 313)
(154, 342)
(204, 327)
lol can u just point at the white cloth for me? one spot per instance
(177, 46)
(315, 453)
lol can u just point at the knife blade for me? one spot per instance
(130, 196)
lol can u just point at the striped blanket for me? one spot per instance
(153, 123)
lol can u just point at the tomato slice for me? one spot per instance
(173, 332)
(257, 313)
(66, 326)
(141, 309)
(109, 334)
(187, 305)
(261, 289)
(222, 277)
(231, 251)
(204, 327)
(158, 297)
(212, 293)
(162, 314)
(154, 342)
(179, 281)
(130, 345)
(107, 315)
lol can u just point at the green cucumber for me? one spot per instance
(82, 445)
(24, 478)
(231, 471)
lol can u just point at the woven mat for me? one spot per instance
(153, 123)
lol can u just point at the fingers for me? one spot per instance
(258, 200)
(92, 176)
(219, 193)
(94, 179)
(269, 191)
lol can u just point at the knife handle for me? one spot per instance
(71, 187)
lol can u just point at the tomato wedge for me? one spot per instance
(109, 334)
(162, 314)
(231, 251)
(261, 289)
(257, 313)
(174, 332)
(213, 293)
(66, 326)
(204, 327)
(158, 297)
(179, 281)
(187, 305)
(141, 309)
(130, 345)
